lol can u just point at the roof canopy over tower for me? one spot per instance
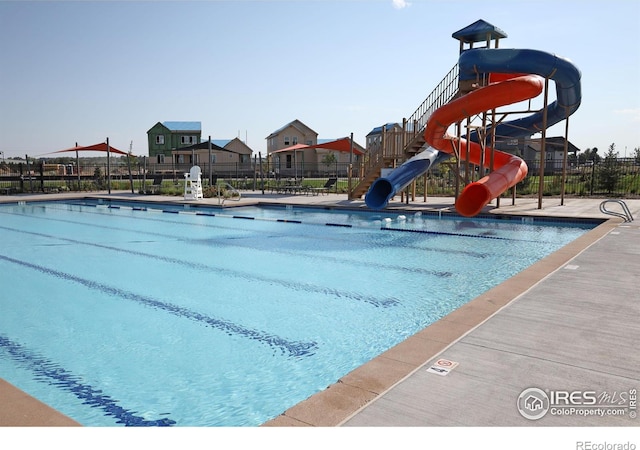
(479, 31)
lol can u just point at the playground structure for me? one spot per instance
(484, 79)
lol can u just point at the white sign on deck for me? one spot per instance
(442, 367)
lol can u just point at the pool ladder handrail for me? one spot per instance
(228, 187)
(625, 215)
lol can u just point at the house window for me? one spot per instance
(289, 162)
(160, 139)
(294, 140)
(286, 140)
(213, 158)
(160, 158)
(309, 142)
(187, 139)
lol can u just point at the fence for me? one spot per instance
(617, 178)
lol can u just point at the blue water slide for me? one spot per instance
(560, 70)
(385, 188)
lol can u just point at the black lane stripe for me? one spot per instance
(375, 301)
(54, 374)
(294, 348)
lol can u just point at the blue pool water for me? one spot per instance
(140, 314)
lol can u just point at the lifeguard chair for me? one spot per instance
(193, 184)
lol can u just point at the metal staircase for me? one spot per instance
(397, 147)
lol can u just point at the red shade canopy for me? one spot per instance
(101, 147)
(341, 145)
(291, 149)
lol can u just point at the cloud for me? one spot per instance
(634, 114)
(400, 4)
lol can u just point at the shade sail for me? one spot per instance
(340, 145)
(101, 147)
(291, 149)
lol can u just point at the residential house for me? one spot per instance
(329, 157)
(553, 149)
(227, 156)
(291, 134)
(374, 138)
(165, 137)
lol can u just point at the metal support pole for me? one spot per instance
(78, 169)
(210, 164)
(349, 181)
(564, 162)
(543, 156)
(108, 167)
(261, 174)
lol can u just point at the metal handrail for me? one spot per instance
(625, 215)
(443, 93)
(228, 187)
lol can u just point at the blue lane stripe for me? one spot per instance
(52, 373)
(444, 233)
(394, 245)
(294, 348)
(375, 301)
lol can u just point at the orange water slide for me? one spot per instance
(508, 169)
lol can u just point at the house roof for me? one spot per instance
(479, 31)
(552, 143)
(295, 124)
(387, 127)
(202, 146)
(220, 142)
(183, 126)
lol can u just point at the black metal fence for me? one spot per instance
(607, 178)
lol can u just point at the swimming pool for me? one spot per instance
(142, 314)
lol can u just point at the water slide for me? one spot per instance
(510, 88)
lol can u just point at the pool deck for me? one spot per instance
(568, 322)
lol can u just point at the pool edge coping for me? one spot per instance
(367, 383)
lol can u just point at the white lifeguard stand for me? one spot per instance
(193, 184)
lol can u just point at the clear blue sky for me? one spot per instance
(81, 71)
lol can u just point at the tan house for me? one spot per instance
(554, 152)
(294, 150)
(327, 158)
(224, 156)
(291, 134)
(374, 138)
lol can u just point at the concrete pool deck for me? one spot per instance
(568, 322)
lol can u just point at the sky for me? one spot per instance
(82, 71)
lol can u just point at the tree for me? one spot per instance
(590, 154)
(329, 159)
(608, 171)
(98, 177)
(636, 154)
